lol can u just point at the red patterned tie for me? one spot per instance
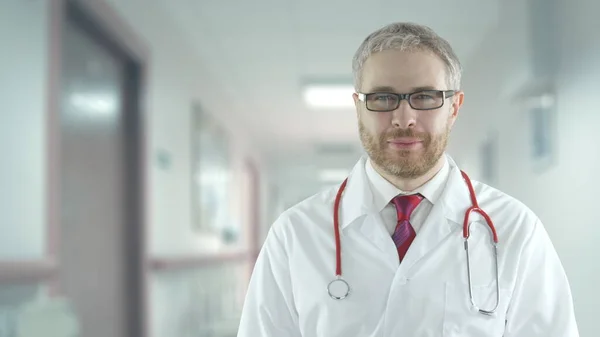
(404, 234)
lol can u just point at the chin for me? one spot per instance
(403, 155)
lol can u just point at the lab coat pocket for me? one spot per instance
(462, 319)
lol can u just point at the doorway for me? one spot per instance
(101, 231)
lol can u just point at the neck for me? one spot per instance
(411, 184)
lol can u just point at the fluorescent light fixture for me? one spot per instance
(546, 101)
(329, 96)
(333, 175)
(543, 101)
(95, 104)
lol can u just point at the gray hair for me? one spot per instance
(407, 36)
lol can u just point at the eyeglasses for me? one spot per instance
(421, 100)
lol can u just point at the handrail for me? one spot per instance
(27, 271)
(195, 261)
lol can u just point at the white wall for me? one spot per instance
(563, 196)
(23, 108)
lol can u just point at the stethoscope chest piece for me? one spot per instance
(338, 289)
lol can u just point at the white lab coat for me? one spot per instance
(426, 295)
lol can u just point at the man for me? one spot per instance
(400, 225)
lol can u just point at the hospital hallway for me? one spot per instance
(148, 146)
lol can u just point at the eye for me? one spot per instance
(383, 97)
(423, 97)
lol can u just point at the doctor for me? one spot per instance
(392, 238)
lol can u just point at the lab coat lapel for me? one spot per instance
(444, 218)
(372, 228)
(357, 209)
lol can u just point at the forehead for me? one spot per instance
(403, 71)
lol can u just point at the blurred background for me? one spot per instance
(147, 146)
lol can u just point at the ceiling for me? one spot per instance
(262, 51)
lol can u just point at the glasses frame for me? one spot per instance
(445, 94)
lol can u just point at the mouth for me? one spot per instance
(404, 143)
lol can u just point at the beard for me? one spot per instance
(405, 164)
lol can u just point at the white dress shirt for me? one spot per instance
(384, 192)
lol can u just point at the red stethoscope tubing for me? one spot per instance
(336, 227)
(474, 208)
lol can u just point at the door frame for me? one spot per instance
(255, 207)
(105, 23)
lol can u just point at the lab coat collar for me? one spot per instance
(358, 199)
(455, 197)
(446, 215)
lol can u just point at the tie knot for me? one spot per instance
(406, 204)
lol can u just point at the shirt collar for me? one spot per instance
(383, 191)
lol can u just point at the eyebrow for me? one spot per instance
(390, 89)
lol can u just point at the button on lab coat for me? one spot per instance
(427, 294)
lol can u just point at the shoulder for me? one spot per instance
(510, 215)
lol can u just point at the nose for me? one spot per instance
(404, 116)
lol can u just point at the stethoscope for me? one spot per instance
(339, 288)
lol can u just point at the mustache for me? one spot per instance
(399, 133)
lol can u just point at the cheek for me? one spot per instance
(435, 122)
(381, 122)
(374, 123)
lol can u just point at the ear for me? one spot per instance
(457, 102)
(356, 104)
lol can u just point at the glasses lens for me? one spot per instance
(427, 99)
(382, 102)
